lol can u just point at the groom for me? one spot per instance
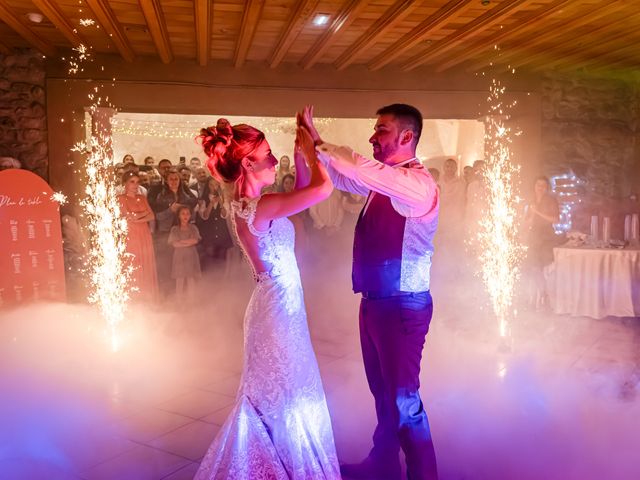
(391, 263)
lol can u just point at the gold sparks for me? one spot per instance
(59, 197)
(498, 234)
(108, 230)
(80, 56)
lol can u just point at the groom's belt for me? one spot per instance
(375, 295)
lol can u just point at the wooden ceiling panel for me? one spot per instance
(299, 16)
(469, 32)
(103, 12)
(561, 31)
(431, 34)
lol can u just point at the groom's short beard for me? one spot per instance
(388, 151)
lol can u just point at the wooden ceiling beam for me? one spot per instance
(602, 9)
(629, 54)
(601, 62)
(479, 25)
(340, 23)
(154, 17)
(523, 26)
(394, 15)
(584, 52)
(628, 60)
(252, 12)
(445, 14)
(53, 13)
(109, 22)
(202, 16)
(7, 16)
(300, 16)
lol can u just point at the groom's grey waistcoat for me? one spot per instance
(391, 253)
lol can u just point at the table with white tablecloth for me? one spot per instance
(595, 282)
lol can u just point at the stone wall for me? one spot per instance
(23, 123)
(591, 126)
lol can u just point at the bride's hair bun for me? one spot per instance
(215, 140)
(226, 146)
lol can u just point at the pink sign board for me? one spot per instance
(31, 260)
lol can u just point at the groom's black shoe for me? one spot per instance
(371, 469)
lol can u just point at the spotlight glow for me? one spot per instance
(320, 19)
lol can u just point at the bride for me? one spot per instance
(279, 427)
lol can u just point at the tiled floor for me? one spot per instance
(564, 394)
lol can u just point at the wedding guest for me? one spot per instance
(145, 181)
(211, 220)
(284, 168)
(195, 162)
(118, 170)
(164, 166)
(187, 179)
(452, 195)
(200, 182)
(476, 202)
(149, 161)
(185, 174)
(154, 177)
(467, 174)
(126, 169)
(288, 182)
(184, 237)
(136, 210)
(450, 220)
(540, 215)
(172, 197)
(128, 158)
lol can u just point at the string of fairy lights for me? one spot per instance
(189, 129)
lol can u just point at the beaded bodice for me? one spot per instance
(275, 245)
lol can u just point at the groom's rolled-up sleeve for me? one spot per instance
(413, 191)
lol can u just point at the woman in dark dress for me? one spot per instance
(211, 220)
(541, 214)
(172, 196)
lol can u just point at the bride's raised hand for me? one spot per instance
(305, 143)
(307, 121)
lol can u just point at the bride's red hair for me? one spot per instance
(226, 146)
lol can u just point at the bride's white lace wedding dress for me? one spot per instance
(280, 426)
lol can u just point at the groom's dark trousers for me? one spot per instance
(392, 335)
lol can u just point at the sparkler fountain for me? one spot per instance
(107, 270)
(108, 230)
(498, 230)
